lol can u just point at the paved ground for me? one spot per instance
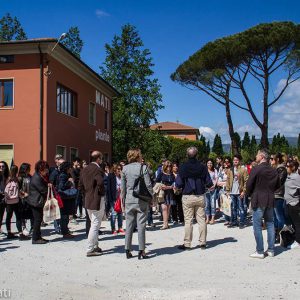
(60, 269)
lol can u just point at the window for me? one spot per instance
(73, 154)
(105, 157)
(6, 92)
(66, 101)
(7, 153)
(92, 113)
(6, 59)
(106, 120)
(61, 150)
(98, 97)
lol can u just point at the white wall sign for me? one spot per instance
(102, 136)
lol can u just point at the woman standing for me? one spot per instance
(177, 211)
(277, 161)
(136, 209)
(4, 174)
(210, 196)
(113, 193)
(68, 193)
(37, 197)
(292, 198)
(24, 178)
(167, 178)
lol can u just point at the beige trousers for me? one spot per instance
(194, 206)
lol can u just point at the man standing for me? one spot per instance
(263, 182)
(92, 187)
(193, 177)
(236, 186)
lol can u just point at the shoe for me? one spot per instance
(93, 253)
(45, 240)
(226, 223)
(11, 236)
(25, 231)
(207, 221)
(175, 223)
(2, 233)
(121, 230)
(295, 245)
(97, 249)
(257, 255)
(203, 247)
(114, 232)
(242, 226)
(269, 253)
(23, 237)
(128, 254)
(142, 255)
(183, 247)
(164, 227)
(232, 225)
(39, 242)
(212, 222)
(43, 224)
(73, 221)
(68, 236)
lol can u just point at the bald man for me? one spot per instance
(92, 186)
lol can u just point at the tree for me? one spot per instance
(217, 145)
(242, 60)
(207, 149)
(11, 29)
(280, 144)
(238, 142)
(128, 68)
(246, 142)
(73, 42)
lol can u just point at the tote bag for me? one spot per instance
(51, 210)
(225, 204)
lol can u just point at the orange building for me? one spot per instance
(177, 130)
(51, 102)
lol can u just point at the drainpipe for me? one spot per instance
(41, 101)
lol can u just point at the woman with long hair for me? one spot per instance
(210, 196)
(12, 200)
(38, 189)
(177, 211)
(24, 178)
(167, 178)
(136, 209)
(4, 174)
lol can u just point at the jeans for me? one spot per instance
(116, 216)
(37, 213)
(96, 217)
(238, 207)
(210, 203)
(279, 213)
(64, 221)
(10, 209)
(258, 214)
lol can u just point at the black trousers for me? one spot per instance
(37, 221)
(2, 210)
(10, 209)
(294, 213)
(176, 210)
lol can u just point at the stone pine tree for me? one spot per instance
(238, 142)
(246, 141)
(73, 41)
(11, 29)
(248, 60)
(129, 68)
(217, 145)
(253, 147)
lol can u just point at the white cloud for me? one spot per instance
(207, 132)
(101, 13)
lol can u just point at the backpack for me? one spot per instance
(11, 192)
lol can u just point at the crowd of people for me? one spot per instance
(266, 191)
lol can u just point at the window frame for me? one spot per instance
(65, 151)
(13, 149)
(13, 93)
(77, 153)
(64, 101)
(95, 121)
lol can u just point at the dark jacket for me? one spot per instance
(193, 178)
(111, 191)
(38, 189)
(63, 184)
(75, 173)
(282, 173)
(92, 186)
(53, 177)
(261, 185)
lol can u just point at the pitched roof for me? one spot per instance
(172, 126)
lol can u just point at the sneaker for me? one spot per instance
(203, 247)
(25, 231)
(269, 253)
(242, 226)
(183, 247)
(23, 237)
(257, 255)
(11, 236)
(93, 253)
(97, 249)
(74, 221)
(295, 245)
(121, 230)
(39, 242)
(68, 236)
(232, 225)
(114, 232)
(43, 224)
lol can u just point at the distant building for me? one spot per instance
(51, 102)
(177, 130)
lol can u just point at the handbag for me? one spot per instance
(225, 204)
(51, 209)
(69, 193)
(118, 206)
(58, 198)
(140, 189)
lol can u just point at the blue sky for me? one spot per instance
(172, 30)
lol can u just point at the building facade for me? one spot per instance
(177, 130)
(51, 102)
